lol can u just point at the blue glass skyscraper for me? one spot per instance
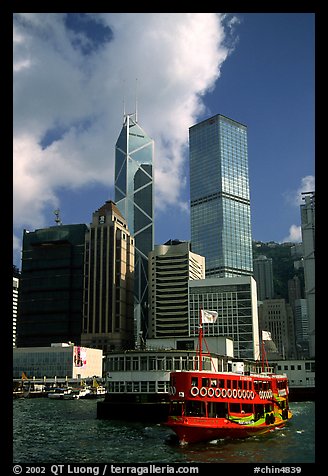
(134, 153)
(219, 196)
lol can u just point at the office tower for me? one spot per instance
(51, 286)
(263, 275)
(301, 328)
(276, 316)
(134, 198)
(171, 266)
(294, 290)
(308, 238)
(235, 301)
(108, 290)
(219, 196)
(15, 304)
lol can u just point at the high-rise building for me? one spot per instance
(134, 153)
(108, 290)
(171, 266)
(263, 275)
(219, 196)
(15, 304)
(50, 305)
(276, 316)
(235, 301)
(301, 328)
(308, 238)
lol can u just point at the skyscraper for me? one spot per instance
(51, 286)
(134, 153)
(263, 274)
(108, 276)
(219, 196)
(308, 238)
(171, 267)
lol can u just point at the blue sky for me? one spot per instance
(72, 71)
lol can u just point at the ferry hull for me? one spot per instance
(191, 431)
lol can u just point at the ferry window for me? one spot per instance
(143, 363)
(176, 408)
(234, 384)
(176, 363)
(228, 383)
(213, 382)
(129, 386)
(121, 364)
(217, 410)
(235, 407)
(136, 386)
(184, 363)
(144, 387)
(221, 383)
(160, 363)
(152, 386)
(195, 408)
(194, 381)
(115, 363)
(268, 408)
(169, 365)
(240, 384)
(152, 363)
(135, 362)
(161, 386)
(259, 411)
(205, 382)
(247, 407)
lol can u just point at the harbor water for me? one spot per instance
(68, 431)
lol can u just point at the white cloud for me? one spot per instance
(294, 197)
(57, 88)
(295, 235)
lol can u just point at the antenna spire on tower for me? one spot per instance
(57, 219)
(136, 107)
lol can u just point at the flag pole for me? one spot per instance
(200, 335)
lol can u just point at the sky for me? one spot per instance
(74, 73)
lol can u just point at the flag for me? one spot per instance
(24, 377)
(266, 335)
(208, 317)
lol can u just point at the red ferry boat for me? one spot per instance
(207, 405)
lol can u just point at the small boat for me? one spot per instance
(81, 392)
(60, 393)
(208, 405)
(96, 390)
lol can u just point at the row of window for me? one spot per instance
(140, 363)
(140, 387)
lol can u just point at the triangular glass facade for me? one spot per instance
(134, 153)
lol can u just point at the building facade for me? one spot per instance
(301, 328)
(263, 275)
(51, 286)
(308, 238)
(219, 196)
(57, 360)
(15, 305)
(276, 316)
(235, 300)
(109, 281)
(171, 266)
(134, 153)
